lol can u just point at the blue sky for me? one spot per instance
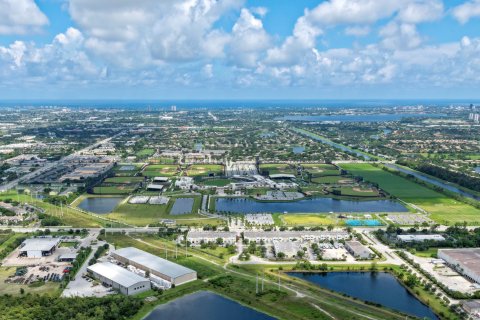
(253, 49)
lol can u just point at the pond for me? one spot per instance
(379, 287)
(298, 150)
(101, 205)
(435, 182)
(311, 205)
(182, 206)
(379, 117)
(204, 305)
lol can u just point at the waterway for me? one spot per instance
(382, 288)
(379, 117)
(311, 205)
(204, 305)
(333, 144)
(99, 205)
(435, 182)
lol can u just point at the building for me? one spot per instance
(38, 247)
(172, 272)
(420, 237)
(67, 257)
(466, 261)
(358, 250)
(472, 307)
(119, 278)
(199, 237)
(155, 187)
(306, 235)
(161, 179)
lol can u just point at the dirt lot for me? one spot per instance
(13, 258)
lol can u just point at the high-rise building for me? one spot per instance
(173, 108)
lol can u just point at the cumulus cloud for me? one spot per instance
(466, 11)
(20, 17)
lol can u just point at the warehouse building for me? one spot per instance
(157, 266)
(466, 261)
(420, 237)
(196, 238)
(119, 278)
(38, 247)
(358, 250)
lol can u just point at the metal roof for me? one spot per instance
(39, 244)
(153, 262)
(116, 274)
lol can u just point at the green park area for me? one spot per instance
(440, 207)
(320, 170)
(308, 220)
(160, 170)
(127, 169)
(145, 153)
(277, 168)
(124, 180)
(216, 182)
(204, 170)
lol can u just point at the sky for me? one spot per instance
(239, 49)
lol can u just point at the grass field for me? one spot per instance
(124, 180)
(145, 153)
(155, 170)
(119, 189)
(332, 180)
(204, 170)
(70, 216)
(442, 209)
(308, 219)
(358, 192)
(278, 168)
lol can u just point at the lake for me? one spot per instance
(379, 117)
(380, 287)
(101, 205)
(435, 182)
(182, 206)
(311, 205)
(204, 305)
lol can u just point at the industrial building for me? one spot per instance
(38, 247)
(420, 237)
(199, 237)
(307, 235)
(119, 278)
(167, 270)
(358, 250)
(466, 261)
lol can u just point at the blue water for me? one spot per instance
(382, 288)
(102, 205)
(313, 205)
(435, 182)
(182, 206)
(477, 169)
(367, 222)
(298, 150)
(333, 144)
(204, 305)
(361, 117)
(233, 103)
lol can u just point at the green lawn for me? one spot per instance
(157, 170)
(278, 168)
(332, 180)
(124, 180)
(358, 192)
(308, 219)
(113, 189)
(442, 209)
(145, 153)
(216, 182)
(204, 170)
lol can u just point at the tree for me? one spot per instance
(281, 255)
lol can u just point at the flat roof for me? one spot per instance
(39, 244)
(155, 186)
(420, 237)
(153, 262)
(282, 175)
(116, 274)
(467, 257)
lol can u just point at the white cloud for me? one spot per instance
(466, 11)
(20, 17)
(358, 31)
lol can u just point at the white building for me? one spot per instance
(466, 261)
(39, 247)
(420, 237)
(306, 235)
(197, 237)
(167, 270)
(119, 278)
(358, 250)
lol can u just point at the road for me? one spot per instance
(14, 183)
